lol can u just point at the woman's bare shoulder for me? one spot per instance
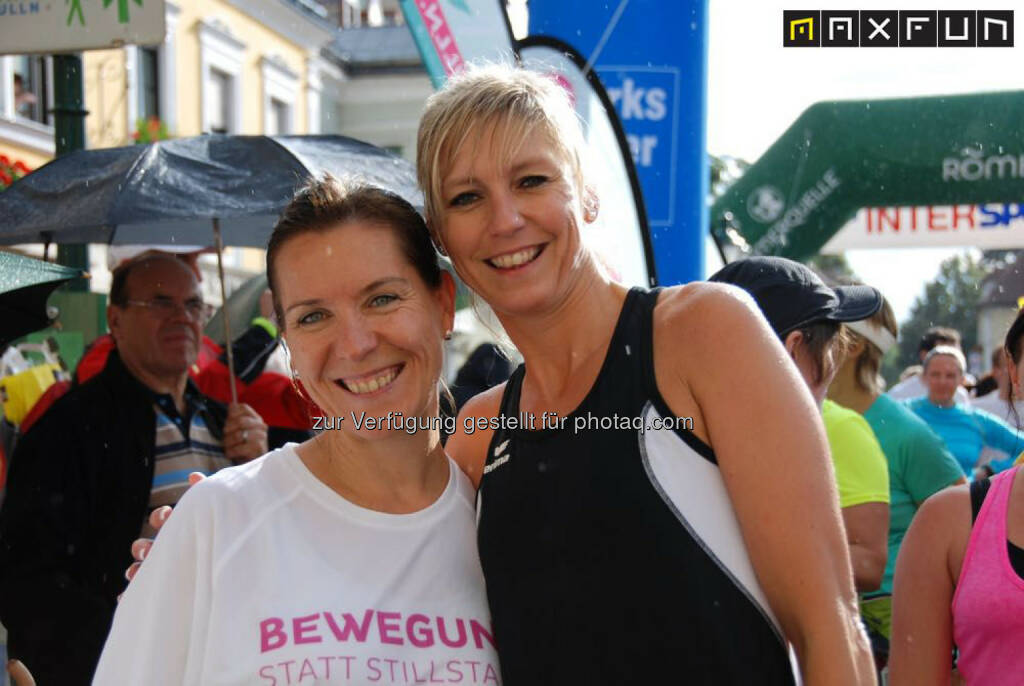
(693, 305)
(707, 322)
(944, 521)
(469, 447)
(947, 509)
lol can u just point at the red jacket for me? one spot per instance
(270, 394)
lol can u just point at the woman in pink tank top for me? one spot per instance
(988, 606)
(962, 583)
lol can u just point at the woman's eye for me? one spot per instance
(382, 300)
(462, 199)
(533, 181)
(311, 318)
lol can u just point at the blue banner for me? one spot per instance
(651, 56)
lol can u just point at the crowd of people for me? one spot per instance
(802, 526)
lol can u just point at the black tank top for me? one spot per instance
(612, 555)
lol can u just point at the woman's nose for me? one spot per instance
(506, 216)
(355, 338)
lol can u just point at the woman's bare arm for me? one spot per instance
(717, 360)
(469, 448)
(867, 535)
(921, 645)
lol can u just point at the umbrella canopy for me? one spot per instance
(25, 285)
(170, 191)
(241, 306)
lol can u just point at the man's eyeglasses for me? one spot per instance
(195, 308)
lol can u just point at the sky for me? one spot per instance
(756, 88)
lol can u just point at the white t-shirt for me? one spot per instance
(264, 575)
(914, 387)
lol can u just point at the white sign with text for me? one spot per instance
(52, 26)
(989, 226)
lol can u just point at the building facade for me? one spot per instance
(225, 66)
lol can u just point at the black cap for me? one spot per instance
(792, 296)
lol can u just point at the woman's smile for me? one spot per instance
(367, 330)
(373, 383)
(517, 259)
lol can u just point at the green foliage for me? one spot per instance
(834, 269)
(950, 300)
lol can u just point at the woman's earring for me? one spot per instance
(591, 205)
(447, 335)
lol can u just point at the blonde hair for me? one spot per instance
(496, 96)
(869, 362)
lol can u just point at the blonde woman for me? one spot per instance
(617, 552)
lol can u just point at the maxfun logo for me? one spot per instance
(897, 28)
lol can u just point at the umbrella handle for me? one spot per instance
(227, 322)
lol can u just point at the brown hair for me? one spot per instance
(938, 335)
(515, 100)
(1014, 346)
(325, 203)
(869, 362)
(820, 338)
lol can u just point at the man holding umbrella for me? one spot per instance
(272, 395)
(84, 478)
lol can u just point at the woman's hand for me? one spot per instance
(157, 518)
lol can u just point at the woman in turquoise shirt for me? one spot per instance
(966, 430)
(919, 463)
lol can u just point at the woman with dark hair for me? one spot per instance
(960, 576)
(349, 558)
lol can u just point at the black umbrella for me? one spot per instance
(25, 285)
(185, 190)
(170, 191)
